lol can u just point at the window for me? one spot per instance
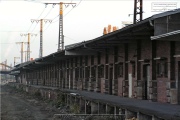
(115, 54)
(86, 61)
(61, 72)
(81, 61)
(71, 74)
(55, 73)
(120, 70)
(115, 71)
(67, 74)
(133, 70)
(71, 62)
(93, 73)
(162, 69)
(87, 72)
(101, 71)
(92, 60)
(165, 69)
(106, 72)
(99, 58)
(76, 62)
(81, 72)
(107, 56)
(77, 73)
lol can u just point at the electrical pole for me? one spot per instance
(138, 6)
(22, 49)
(28, 44)
(26, 55)
(5, 62)
(61, 36)
(41, 33)
(15, 60)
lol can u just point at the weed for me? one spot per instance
(74, 108)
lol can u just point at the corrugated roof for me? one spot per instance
(76, 45)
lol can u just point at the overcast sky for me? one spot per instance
(83, 22)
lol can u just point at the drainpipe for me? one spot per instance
(151, 24)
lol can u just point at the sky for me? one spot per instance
(84, 22)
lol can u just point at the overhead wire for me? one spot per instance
(71, 38)
(41, 13)
(43, 17)
(37, 23)
(32, 24)
(50, 23)
(6, 43)
(63, 16)
(46, 16)
(72, 8)
(69, 11)
(48, 12)
(37, 18)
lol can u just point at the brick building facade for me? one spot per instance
(140, 61)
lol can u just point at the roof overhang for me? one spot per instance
(15, 73)
(170, 36)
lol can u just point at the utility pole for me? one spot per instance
(26, 55)
(15, 60)
(41, 33)
(28, 44)
(61, 36)
(22, 49)
(5, 62)
(138, 10)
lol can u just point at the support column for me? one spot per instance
(115, 110)
(49, 94)
(94, 108)
(88, 107)
(67, 100)
(85, 107)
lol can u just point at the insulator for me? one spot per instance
(66, 5)
(53, 5)
(46, 5)
(73, 5)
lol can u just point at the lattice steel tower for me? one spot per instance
(61, 36)
(41, 33)
(138, 10)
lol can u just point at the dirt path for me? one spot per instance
(14, 106)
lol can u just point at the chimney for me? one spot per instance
(109, 28)
(105, 31)
(114, 28)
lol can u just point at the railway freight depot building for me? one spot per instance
(133, 71)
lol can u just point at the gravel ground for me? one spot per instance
(18, 105)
